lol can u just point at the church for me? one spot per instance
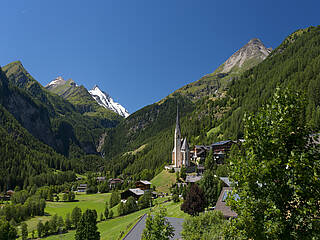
(181, 152)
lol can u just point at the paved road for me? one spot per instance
(136, 232)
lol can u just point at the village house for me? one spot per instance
(115, 182)
(200, 153)
(142, 186)
(82, 188)
(221, 203)
(132, 192)
(100, 179)
(193, 179)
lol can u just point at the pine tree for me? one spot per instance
(68, 223)
(106, 212)
(24, 231)
(111, 214)
(87, 228)
(40, 229)
(7, 231)
(76, 216)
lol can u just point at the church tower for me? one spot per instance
(176, 153)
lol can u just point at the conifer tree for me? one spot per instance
(76, 216)
(87, 228)
(24, 231)
(7, 231)
(68, 223)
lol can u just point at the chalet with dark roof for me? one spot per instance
(134, 192)
(114, 182)
(143, 184)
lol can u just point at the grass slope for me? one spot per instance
(111, 229)
(163, 181)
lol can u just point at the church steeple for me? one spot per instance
(177, 131)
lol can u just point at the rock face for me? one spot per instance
(103, 99)
(254, 51)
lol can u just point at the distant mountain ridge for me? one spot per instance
(104, 99)
(79, 95)
(248, 56)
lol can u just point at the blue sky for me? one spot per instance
(139, 51)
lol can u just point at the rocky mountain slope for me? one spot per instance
(245, 58)
(104, 99)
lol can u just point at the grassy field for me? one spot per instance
(90, 201)
(111, 229)
(163, 181)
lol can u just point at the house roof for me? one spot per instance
(101, 178)
(221, 204)
(136, 191)
(193, 179)
(221, 143)
(226, 181)
(145, 182)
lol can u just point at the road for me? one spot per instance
(136, 231)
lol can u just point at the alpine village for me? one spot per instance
(232, 155)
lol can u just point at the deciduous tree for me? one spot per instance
(158, 227)
(278, 174)
(195, 201)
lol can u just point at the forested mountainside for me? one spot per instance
(25, 160)
(62, 125)
(132, 146)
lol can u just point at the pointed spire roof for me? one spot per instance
(185, 145)
(178, 120)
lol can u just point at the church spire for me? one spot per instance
(178, 122)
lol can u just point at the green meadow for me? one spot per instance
(110, 229)
(163, 181)
(83, 201)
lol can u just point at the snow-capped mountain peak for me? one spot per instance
(104, 99)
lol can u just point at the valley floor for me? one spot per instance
(110, 229)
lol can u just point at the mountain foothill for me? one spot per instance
(63, 126)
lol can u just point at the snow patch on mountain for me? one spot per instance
(58, 81)
(103, 99)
